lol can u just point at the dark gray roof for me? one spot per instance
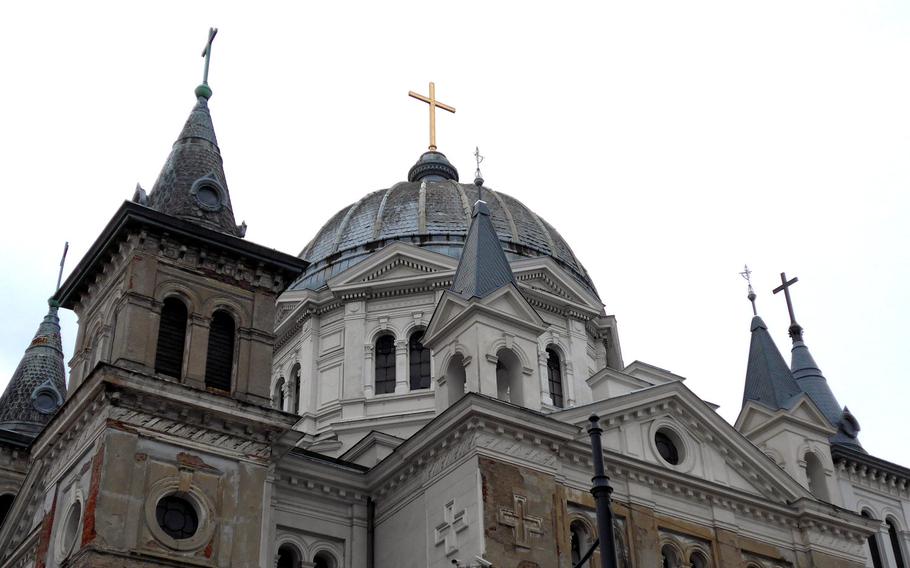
(483, 267)
(768, 380)
(195, 157)
(811, 381)
(434, 215)
(38, 382)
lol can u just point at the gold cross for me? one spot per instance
(433, 105)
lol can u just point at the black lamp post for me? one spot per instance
(601, 490)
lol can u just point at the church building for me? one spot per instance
(411, 391)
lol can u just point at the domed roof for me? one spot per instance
(434, 215)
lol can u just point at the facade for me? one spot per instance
(411, 391)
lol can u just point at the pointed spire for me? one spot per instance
(768, 380)
(192, 185)
(811, 381)
(38, 386)
(483, 267)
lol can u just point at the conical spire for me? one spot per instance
(768, 380)
(38, 387)
(811, 381)
(483, 267)
(192, 185)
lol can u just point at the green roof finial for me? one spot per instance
(204, 90)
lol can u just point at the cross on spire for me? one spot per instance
(431, 100)
(207, 53)
(747, 274)
(795, 329)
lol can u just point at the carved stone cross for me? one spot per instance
(523, 525)
(447, 531)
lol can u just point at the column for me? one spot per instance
(368, 390)
(545, 398)
(401, 366)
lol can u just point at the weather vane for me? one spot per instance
(479, 159)
(747, 274)
(431, 100)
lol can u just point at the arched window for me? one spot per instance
(220, 358)
(815, 473)
(288, 556)
(554, 377)
(872, 541)
(698, 560)
(171, 338)
(580, 541)
(895, 543)
(278, 394)
(419, 361)
(295, 388)
(670, 557)
(6, 503)
(384, 356)
(324, 560)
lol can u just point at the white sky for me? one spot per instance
(668, 142)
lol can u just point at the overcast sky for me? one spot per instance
(668, 142)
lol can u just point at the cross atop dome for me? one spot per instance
(432, 165)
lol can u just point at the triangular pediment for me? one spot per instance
(545, 279)
(398, 264)
(711, 448)
(755, 418)
(505, 305)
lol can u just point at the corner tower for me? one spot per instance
(161, 452)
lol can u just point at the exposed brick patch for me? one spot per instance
(193, 461)
(88, 524)
(44, 541)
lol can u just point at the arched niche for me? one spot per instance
(509, 377)
(455, 378)
(815, 473)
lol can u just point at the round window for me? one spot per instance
(177, 517)
(208, 197)
(45, 402)
(71, 528)
(668, 446)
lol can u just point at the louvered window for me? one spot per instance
(295, 388)
(385, 364)
(171, 338)
(554, 377)
(419, 362)
(895, 543)
(220, 357)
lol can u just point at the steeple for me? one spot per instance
(38, 385)
(768, 380)
(483, 267)
(811, 381)
(192, 185)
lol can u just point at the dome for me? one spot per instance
(433, 215)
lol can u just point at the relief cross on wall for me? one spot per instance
(523, 525)
(447, 531)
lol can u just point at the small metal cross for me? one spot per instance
(747, 274)
(785, 287)
(431, 100)
(207, 53)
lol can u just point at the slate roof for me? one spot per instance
(768, 379)
(434, 215)
(40, 370)
(811, 381)
(194, 156)
(483, 267)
